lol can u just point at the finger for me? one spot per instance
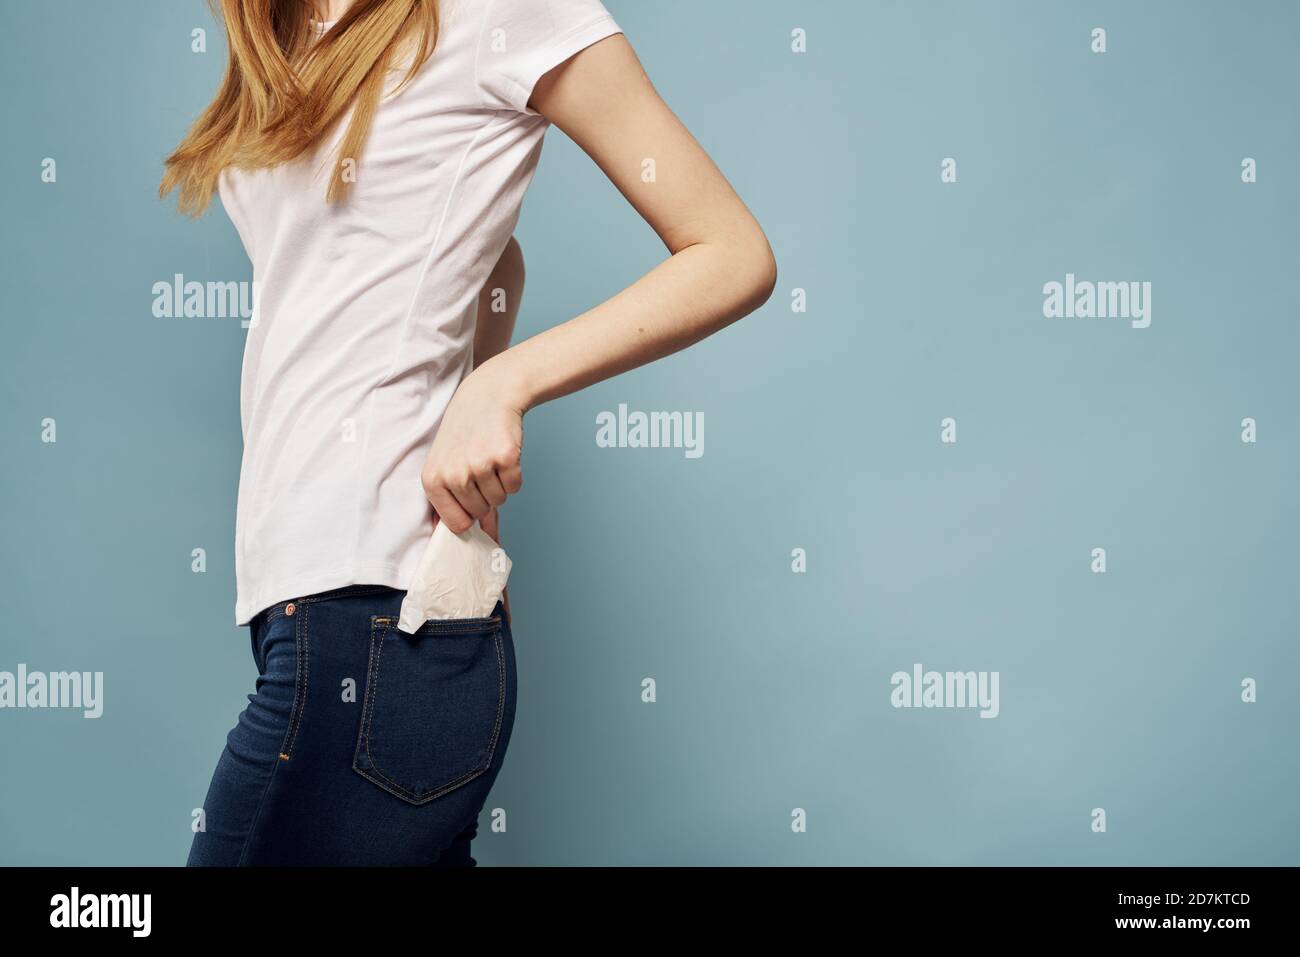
(449, 510)
(491, 523)
(490, 485)
(471, 499)
(512, 478)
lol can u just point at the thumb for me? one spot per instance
(490, 523)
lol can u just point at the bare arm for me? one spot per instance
(498, 308)
(498, 304)
(720, 268)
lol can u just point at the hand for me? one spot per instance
(474, 462)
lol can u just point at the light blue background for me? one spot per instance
(821, 432)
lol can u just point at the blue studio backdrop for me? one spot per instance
(986, 549)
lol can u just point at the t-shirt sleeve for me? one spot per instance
(523, 39)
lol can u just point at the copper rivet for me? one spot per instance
(289, 608)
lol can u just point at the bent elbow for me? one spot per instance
(767, 274)
(761, 268)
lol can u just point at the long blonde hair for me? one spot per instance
(282, 93)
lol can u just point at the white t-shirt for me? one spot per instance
(364, 315)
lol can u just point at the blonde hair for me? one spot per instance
(282, 93)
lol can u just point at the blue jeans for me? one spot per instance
(362, 745)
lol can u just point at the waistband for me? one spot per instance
(290, 607)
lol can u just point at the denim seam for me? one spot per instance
(458, 626)
(372, 682)
(447, 626)
(303, 665)
(501, 696)
(275, 767)
(378, 630)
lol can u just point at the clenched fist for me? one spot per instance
(474, 462)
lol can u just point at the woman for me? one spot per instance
(373, 156)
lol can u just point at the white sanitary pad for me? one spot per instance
(460, 576)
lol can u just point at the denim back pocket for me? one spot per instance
(433, 706)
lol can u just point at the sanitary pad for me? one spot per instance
(460, 576)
